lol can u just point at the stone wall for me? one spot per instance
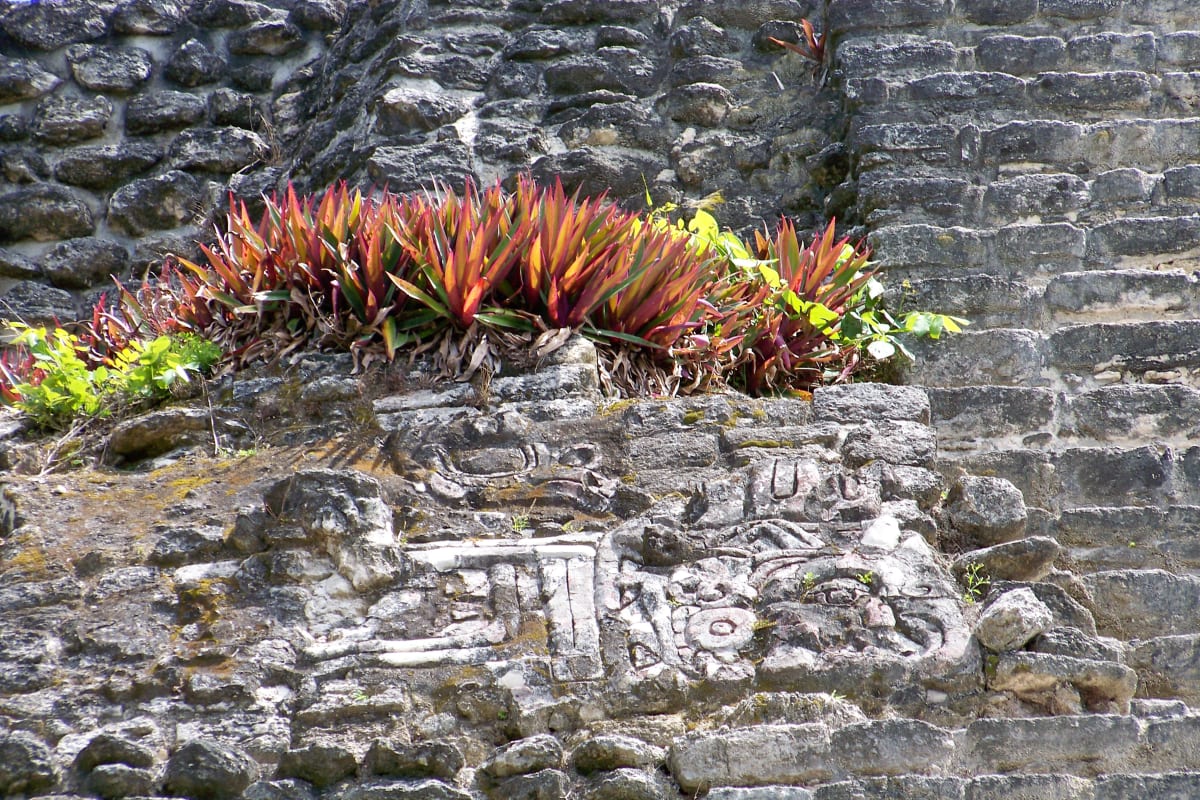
(513, 589)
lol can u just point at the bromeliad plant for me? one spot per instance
(673, 306)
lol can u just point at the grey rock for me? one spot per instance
(546, 784)
(615, 751)
(203, 769)
(615, 69)
(1020, 55)
(538, 44)
(13, 127)
(229, 107)
(148, 17)
(154, 112)
(193, 64)
(320, 764)
(627, 784)
(110, 748)
(893, 747)
(112, 781)
(1079, 9)
(1168, 666)
(23, 165)
(85, 262)
(703, 104)
(15, 265)
(26, 767)
(24, 79)
(109, 69)
(524, 756)
(318, 15)
(1073, 642)
(37, 303)
(1131, 787)
(1044, 787)
(230, 13)
(158, 432)
(217, 150)
(61, 120)
(269, 38)
(428, 789)
(1108, 90)
(404, 110)
(763, 793)
(1011, 620)
(103, 166)
(426, 759)
(43, 212)
(998, 12)
(700, 37)
(1064, 744)
(986, 510)
(762, 755)
(1130, 602)
(1102, 686)
(345, 510)
(188, 544)
(289, 789)
(746, 14)
(416, 167)
(576, 12)
(49, 26)
(892, 441)
(853, 403)
(166, 201)
(1027, 559)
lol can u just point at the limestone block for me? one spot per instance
(1020, 55)
(154, 112)
(763, 755)
(1064, 745)
(203, 769)
(1012, 620)
(49, 26)
(24, 79)
(59, 119)
(1027, 559)
(85, 262)
(43, 212)
(109, 69)
(104, 166)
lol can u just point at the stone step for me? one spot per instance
(909, 138)
(1087, 477)
(1073, 298)
(982, 418)
(1106, 538)
(1068, 756)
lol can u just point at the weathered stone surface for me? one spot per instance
(427, 759)
(762, 755)
(1130, 787)
(222, 150)
(892, 747)
(24, 79)
(48, 26)
(25, 765)
(158, 432)
(1100, 686)
(203, 769)
(154, 112)
(1020, 560)
(628, 784)
(320, 764)
(103, 166)
(111, 781)
(37, 303)
(986, 510)
(614, 751)
(1011, 620)
(194, 64)
(416, 167)
(272, 37)
(166, 201)
(525, 756)
(85, 262)
(857, 402)
(1064, 744)
(43, 212)
(1133, 601)
(61, 120)
(15, 265)
(151, 17)
(403, 110)
(109, 69)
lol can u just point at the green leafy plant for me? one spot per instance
(977, 581)
(57, 380)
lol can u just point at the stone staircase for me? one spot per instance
(1036, 168)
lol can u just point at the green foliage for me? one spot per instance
(673, 304)
(977, 582)
(57, 381)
